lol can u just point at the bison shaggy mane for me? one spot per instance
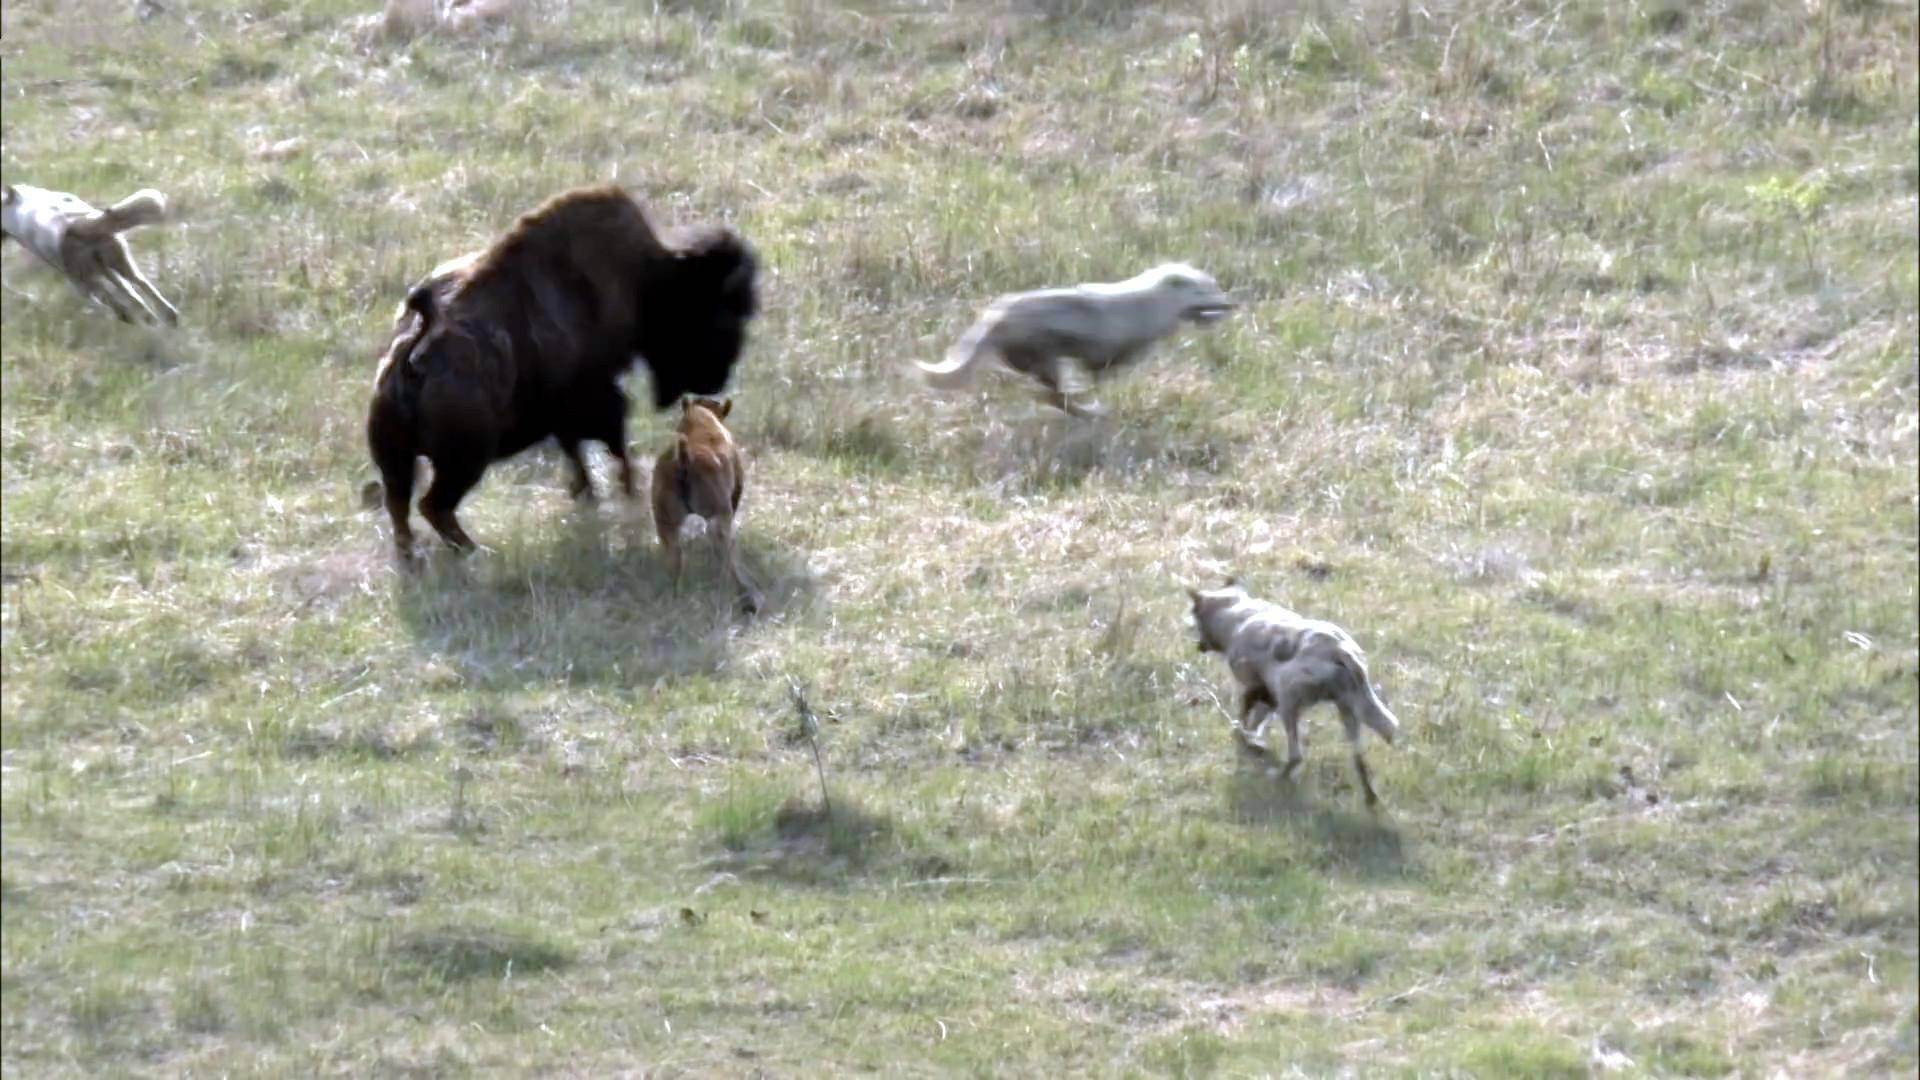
(501, 348)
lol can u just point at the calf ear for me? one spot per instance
(726, 406)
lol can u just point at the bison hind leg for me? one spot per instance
(395, 489)
(451, 482)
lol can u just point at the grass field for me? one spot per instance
(1575, 373)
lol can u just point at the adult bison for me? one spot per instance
(501, 348)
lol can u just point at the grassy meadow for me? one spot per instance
(1575, 374)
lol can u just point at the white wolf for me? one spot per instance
(1059, 337)
(84, 244)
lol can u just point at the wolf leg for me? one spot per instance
(122, 266)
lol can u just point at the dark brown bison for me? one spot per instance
(501, 348)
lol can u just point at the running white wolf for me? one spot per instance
(84, 244)
(1061, 337)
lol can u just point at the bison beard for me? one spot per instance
(500, 349)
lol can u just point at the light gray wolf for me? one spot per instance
(84, 244)
(1061, 337)
(1287, 662)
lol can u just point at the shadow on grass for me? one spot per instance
(1352, 840)
(455, 953)
(802, 842)
(1043, 449)
(582, 609)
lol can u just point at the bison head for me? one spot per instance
(694, 312)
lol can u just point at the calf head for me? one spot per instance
(700, 421)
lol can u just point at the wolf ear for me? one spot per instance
(1195, 594)
(10, 194)
(1233, 581)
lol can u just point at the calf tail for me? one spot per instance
(143, 207)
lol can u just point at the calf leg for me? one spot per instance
(674, 555)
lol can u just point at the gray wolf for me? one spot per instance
(499, 349)
(84, 244)
(1287, 662)
(701, 475)
(1060, 337)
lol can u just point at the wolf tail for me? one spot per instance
(1359, 694)
(956, 370)
(143, 207)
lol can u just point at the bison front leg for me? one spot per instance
(627, 483)
(605, 421)
(580, 485)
